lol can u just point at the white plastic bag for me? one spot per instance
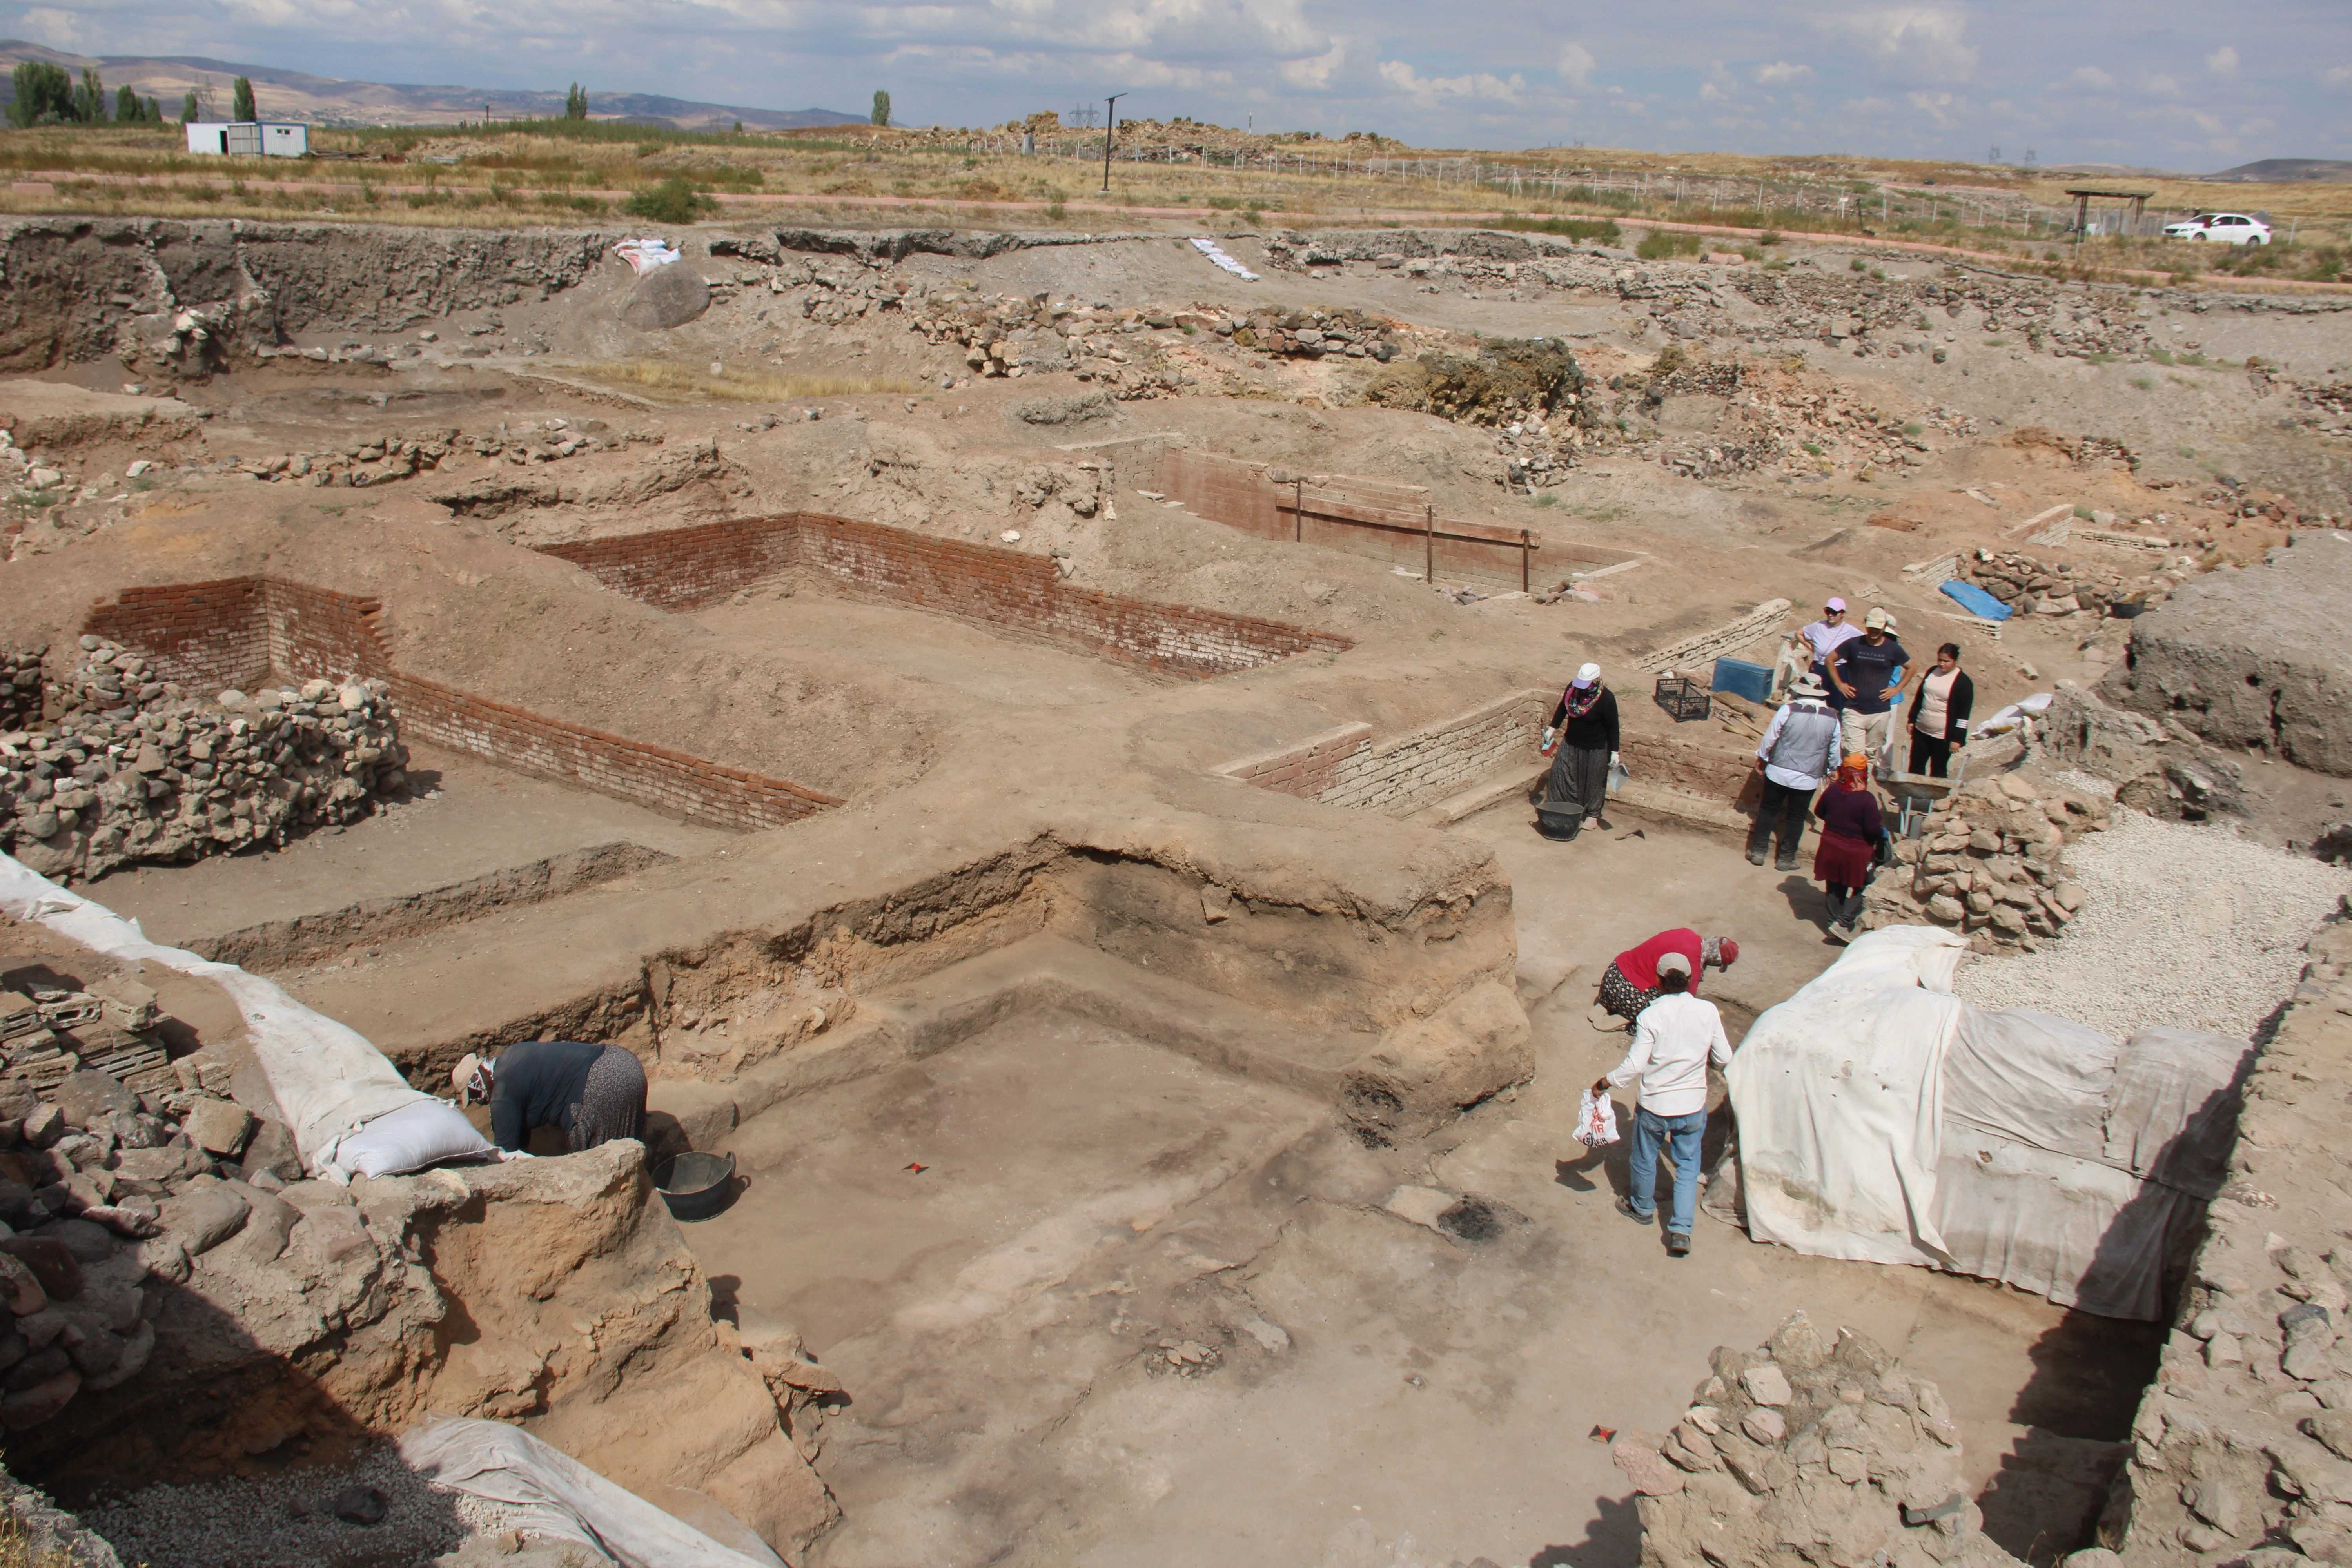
(1596, 1121)
(1617, 776)
(414, 1136)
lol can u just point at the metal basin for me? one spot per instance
(695, 1185)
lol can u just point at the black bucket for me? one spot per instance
(695, 1186)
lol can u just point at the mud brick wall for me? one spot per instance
(1223, 489)
(681, 569)
(686, 568)
(1346, 767)
(1445, 758)
(205, 635)
(319, 632)
(1686, 765)
(212, 635)
(651, 775)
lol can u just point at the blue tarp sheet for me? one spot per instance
(1976, 601)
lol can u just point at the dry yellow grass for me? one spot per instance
(662, 379)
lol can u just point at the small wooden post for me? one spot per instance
(1429, 537)
(1525, 563)
(1298, 512)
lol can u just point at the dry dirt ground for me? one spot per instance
(1373, 1389)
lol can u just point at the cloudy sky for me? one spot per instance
(2186, 85)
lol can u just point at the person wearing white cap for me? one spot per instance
(1867, 672)
(1581, 742)
(1832, 629)
(1674, 1040)
(1799, 749)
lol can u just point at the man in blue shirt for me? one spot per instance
(1866, 674)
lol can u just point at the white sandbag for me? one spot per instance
(409, 1139)
(548, 1492)
(327, 1078)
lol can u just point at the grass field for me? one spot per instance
(505, 174)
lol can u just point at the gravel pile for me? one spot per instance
(292, 1521)
(2186, 925)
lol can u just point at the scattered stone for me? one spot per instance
(219, 1126)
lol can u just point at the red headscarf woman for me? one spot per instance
(1851, 827)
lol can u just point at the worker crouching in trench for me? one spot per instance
(591, 1094)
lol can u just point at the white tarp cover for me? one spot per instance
(1839, 1096)
(546, 1491)
(329, 1082)
(1883, 1120)
(1218, 254)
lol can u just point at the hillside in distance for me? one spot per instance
(329, 101)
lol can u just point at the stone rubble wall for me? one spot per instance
(136, 769)
(2241, 1450)
(1812, 1451)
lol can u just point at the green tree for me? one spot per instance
(89, 99)
(126, 107)
(881, 107)
(45, 94)
(154, 111)
(190, 110)
(245, 108)
(575, 102)
(671, 201)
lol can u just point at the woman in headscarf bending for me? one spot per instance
(1851, 827)
(1583, 729)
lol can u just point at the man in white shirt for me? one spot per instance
(1674, 1040)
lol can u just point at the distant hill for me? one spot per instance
(2283, 171)
(325, 101)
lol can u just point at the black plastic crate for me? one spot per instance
(1684, 697)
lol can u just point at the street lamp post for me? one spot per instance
(1110, 129)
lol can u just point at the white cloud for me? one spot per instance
(2093, 78)
(1428, 91)
(1913, 43)
(2223, 61)
(1710, 93)
(1781, 73)
(1576, 64)
(2336, 77)
(2162, 86)
(58, 29)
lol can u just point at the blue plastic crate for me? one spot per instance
(1741, 678)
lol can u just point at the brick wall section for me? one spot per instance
(1360, 517)
(1710, 772)
(651, 775)
(212, 635)
(1346, 767)
(207, 636)
(686, 568)
(319, 632)
(682, 569)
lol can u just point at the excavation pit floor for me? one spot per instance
(1014, 1320)
(479, 834)
(969, 662)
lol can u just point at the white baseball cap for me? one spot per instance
(1877, 619)
(1834, 602)
(1586, 673)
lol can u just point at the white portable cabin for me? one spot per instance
(250, 138)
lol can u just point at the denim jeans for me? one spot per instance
(1650, 1129)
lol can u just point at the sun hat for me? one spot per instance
(1673, 963)
(1877, 619)
(1808, 685)
(1586, 673)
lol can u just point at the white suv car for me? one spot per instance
(2230, 229)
